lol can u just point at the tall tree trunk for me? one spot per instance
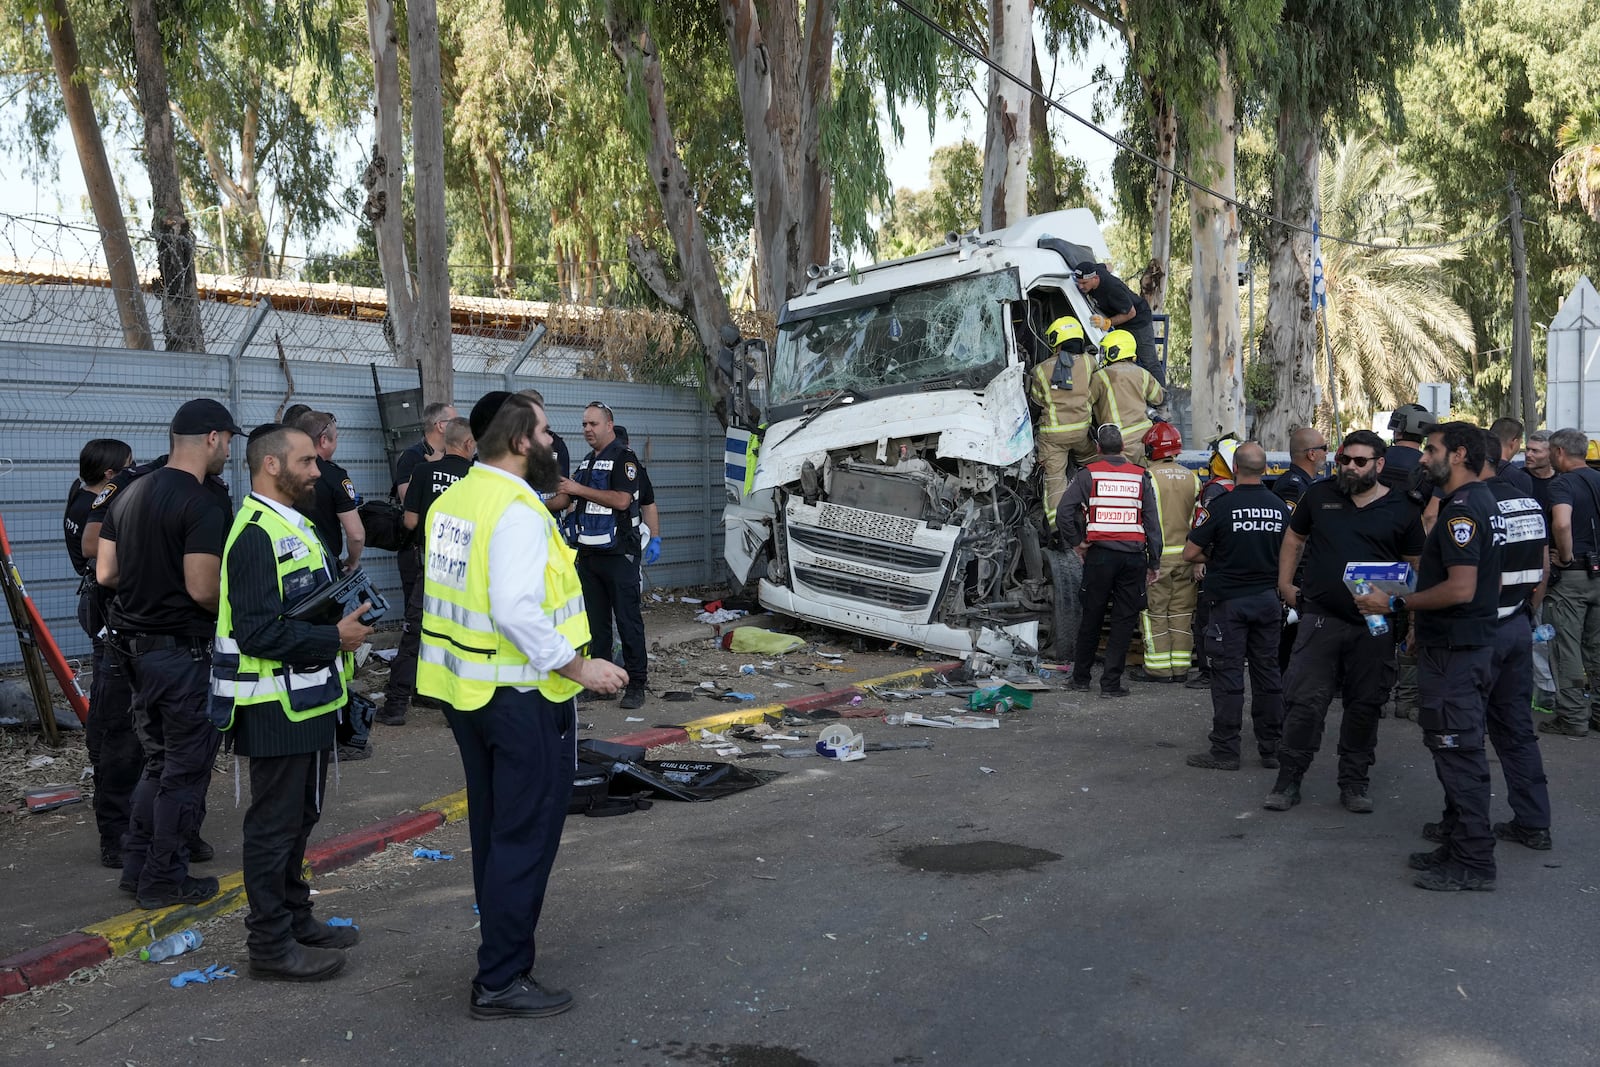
(432, 337)
(1006, 144)
(699, 292)
(97, 178)
(491, 232)
(385, 179)
(1289, 341)
(1046, 186)
(1217, 378)
(1153, 283)
(180, 300)
(501, 202)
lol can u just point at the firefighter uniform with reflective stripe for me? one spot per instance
(1166, 621)
(1121, 393)
(1062, 426)
(1110, 507)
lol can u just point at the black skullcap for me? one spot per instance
(484, 411)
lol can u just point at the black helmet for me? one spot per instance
(1412, 420)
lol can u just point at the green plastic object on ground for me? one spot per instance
(755, 639)
(1001, 698)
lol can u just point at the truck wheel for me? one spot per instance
(1066, 578)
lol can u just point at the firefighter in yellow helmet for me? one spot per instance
(1123, 392)
(1059, 389)
(1169, 611)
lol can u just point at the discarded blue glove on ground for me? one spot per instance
(652, 551)
(336, 921)
(178, 981)
(431, 854)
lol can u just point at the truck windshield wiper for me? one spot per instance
(843, 395)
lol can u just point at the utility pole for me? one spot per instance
(1523, 401)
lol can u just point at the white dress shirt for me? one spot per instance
(519, 549)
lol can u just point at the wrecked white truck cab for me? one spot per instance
(894, 490)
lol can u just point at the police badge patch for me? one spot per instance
(1200, 516)
(350, 488)
(104, 496)
(631, 471)
(1462, 531)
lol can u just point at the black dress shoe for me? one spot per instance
(522, 999)
(111, 856)
(1451, 877)
(302, 963)
(200, 850)
(192, 891)
(322, 936)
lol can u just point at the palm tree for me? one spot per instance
(1390, 317)
(1576, 175)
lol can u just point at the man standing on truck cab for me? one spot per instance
(1059, 389)
(1123, 392)
(1120, 308)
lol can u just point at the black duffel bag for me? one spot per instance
(382, 520)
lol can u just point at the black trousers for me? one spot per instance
(285, 804)
(1144, 349)
(1200, 661)
(169, 803)
(611, 589)
(1245, 629)
(403, 669)
(1452, 702)
(1332, 654)
(518, 753)
(114, 750)
(1113, 583)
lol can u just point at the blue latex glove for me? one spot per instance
(431, 854)
(652, 551)
(336, 921)
(178, 981)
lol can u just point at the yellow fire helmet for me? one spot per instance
(1593, 454)
(1064, 331)
(1117, 346)
(1222, 456)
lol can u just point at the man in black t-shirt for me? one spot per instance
(1239, 539)
(1542, 477)
(1573, 606)
(1120, 308)
(427, 482)
(1455, 622)
(1351, 518)
(408, 560)
(161, 550)
(335, 515)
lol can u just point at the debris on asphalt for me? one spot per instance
(843, 744)
(52, 797)
(336, 921)
(999, 699)
(431, 854)
(215, 971)
(720, 615)
(756, 639)
(955, 721)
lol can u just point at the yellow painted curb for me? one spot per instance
(452, 807)
(747, 716)
(135, 929)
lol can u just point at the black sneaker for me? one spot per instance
(633, 698)
(192, 891)
(397, 717)
(1077, 686)
(1269, 760)
(1437, 832)
(1355, 800)
(1538, 840)
(1283, 797)
(354, 753)
(1210, 761)
(200, 850)
(1427, 861)
(1119, 691)
(1450, 877)
(522, 999)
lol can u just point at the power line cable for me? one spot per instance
(1178, 175)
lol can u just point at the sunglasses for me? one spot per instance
(1359, 461)
(1318, 448)
(600, 404)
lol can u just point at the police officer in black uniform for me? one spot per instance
(1353, 518)
(1239, 540)
(603, 525)
(161, 549)
(1455, 608)
(1308, 452)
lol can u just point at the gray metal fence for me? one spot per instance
(55, 397)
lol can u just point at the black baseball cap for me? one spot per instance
(203, 416)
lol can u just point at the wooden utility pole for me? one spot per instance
(1523, 399)
(431, 336)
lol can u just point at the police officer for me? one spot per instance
(1508, 442)
(649, 512)
(502, 640)
(276, 685)
(1402, 461)
(1120, 308)
(1220, 482)
(1519, 530)
(1060, 392)
(1541, 477)
(1108, 514)
(113, 747)
(1454, 619)
(603, 525)
(427, 481)
(1573, 606)
(1351, 518)
(1239, 540)
(1308, 452)
(168, 529)
(1166, 621)
(1122, 392)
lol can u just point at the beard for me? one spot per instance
(1441, 473)
(543, 474)
(1352, 481)
(302, 497)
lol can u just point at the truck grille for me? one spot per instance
(866, 590)
(867, 523)
(879, 553)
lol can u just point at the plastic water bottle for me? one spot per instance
(171, 945)
(1377, 625)
(1543, 632)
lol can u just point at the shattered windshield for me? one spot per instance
(942, 331)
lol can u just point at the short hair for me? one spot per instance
(1364, 437)
(603, 406)
(1571, 441)
(1108, 438)
(100, 455)
(457, 432)
(1492, 449)
(533, 395)
(1250, 460)
(314, 424)
(1542, 437)
(274, 442)
(1505, 428)
(1463, 435)
(518, 417)
(291, 415)
(433, 412)
(1301, 439)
